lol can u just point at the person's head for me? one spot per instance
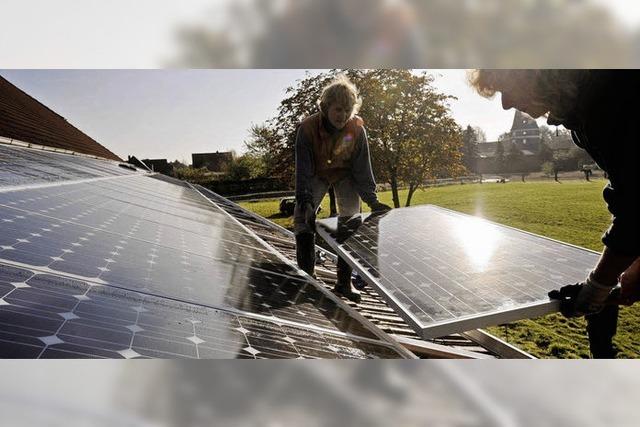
(339, 101)
(535, 92)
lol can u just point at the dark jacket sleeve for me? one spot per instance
(610, 137)
(605, 125)
(304, 168)
(361, 171)
(623, 236)
(622, 195)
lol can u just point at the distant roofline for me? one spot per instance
(523, 121)
(214, 152)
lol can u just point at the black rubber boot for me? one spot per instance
(343, 285)
(358, 282)
(306, 252)
(601, 328)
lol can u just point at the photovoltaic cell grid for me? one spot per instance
(43, 315)
(23, 166)
(136, 266)
(448, 272)
(238, 212)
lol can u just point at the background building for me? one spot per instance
(520, 148)
(525, 134)
(215, 162)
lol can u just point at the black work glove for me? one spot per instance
(378, 208)
(586, 297)
(567, 297)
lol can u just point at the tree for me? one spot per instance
(556, 138)
(546, 135)
(480, 135)
(561, 162)
(545, 154)
(435, 156)
(578, 158)
(193, 175)
(514, 160)
(176, 164)
(504, 136)
(470, 139)
(499, 158)
(411, 132)
(548, 168)
(247, 166)
(262, 144)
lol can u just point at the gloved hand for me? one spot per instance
(379, 208)
(587, 297)
(567, 295)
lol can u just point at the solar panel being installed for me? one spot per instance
(129, 266)
(448, 272)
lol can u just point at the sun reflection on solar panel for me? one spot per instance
(479, 241)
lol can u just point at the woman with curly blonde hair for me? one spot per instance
(601, 109)
(332, 151)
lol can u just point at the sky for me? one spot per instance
(160, 113)
(173, 113)
(170, 113)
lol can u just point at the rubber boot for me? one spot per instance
(601, 328)
(343, 285)
(358, 282)
(306, 252)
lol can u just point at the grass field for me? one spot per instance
(571, 211)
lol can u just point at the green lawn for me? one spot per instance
(571, 211)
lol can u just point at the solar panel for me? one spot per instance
(448, 272)
(84, 253)
(44, 315)
(24, 166)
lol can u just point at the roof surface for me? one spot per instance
(26, 119)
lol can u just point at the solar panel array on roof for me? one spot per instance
(133, 266)
(448, 272)
(24, 166)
